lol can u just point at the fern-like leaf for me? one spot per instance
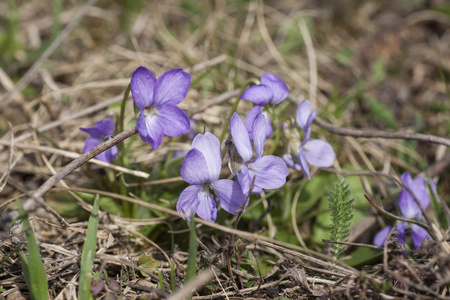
(341, 209)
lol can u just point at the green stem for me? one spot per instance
(234, 108)
(128, 208)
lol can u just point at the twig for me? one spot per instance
(71, 154)
(37, 195)
(382, 134)
(200, 280)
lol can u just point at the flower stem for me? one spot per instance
(234, 108)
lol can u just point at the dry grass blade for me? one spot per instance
(202, 279)
(4, 178)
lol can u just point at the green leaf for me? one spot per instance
(341, 210)
(34, 271)
(88, 254)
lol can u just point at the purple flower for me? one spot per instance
(314, 152)
(158, 99)
(409, 209)
(102, 131)
(201, 168)
(272, 90)
(265, 172)
(381, 236)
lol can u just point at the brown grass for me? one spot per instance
(47, 96)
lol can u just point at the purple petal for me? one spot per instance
(209, 146)
(420, 191)
(106, 126)
(303, 112)
(408, 206)
(193, 169)
(149, 129)
(94, 132)
(280, 90)
(303, 164)
(381, 236)
(270, 172)
(188, 200)
(241, 138)
(230, 195)
(174, 121)
(268, 124)
(142, 86)
(244, 180)
(104, 156)
(319, 153)
(91, 143)
(172, 87)
(108, 155)
(418, 234)
(304, 116)
(206, 208)
(101, 129)
(258, 94)
(259, 134)
(113, 151)
(287, 157)
(250, 119)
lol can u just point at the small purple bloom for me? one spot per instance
(410, 209)
(272, 90)
(406, 203)
(268, 172)
(314, 152)
(201, 168)
(157, 100)
(101, 132)
(381, 236)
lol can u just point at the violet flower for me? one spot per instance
(272, 90)
(265, 172)
(101, 132)
(410, 210)
(157, 100)
(314, 152)
(201, 168)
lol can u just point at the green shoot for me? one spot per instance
(33, 268)
(87, 256)
(192, 256)
(341, 209)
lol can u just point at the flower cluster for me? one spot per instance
(254, 173)
(157, 99)
(314, 152)
(201, 168)
(410, 210)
